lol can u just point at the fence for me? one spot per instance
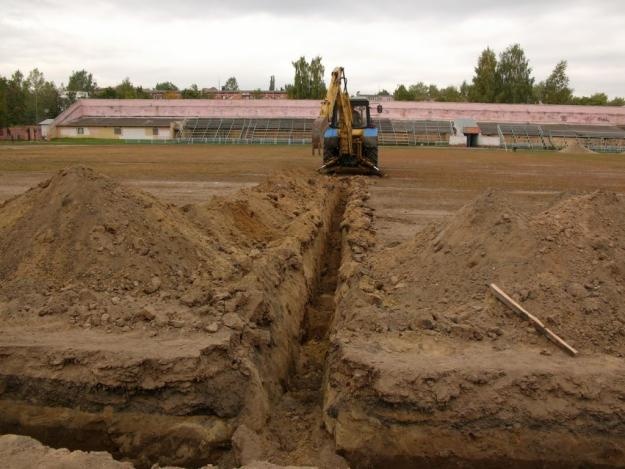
(298, 131)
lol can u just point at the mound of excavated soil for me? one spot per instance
(566, 265)
(84, 247)
(428, 368)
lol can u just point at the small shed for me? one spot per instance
(44, 125)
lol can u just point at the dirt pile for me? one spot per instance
(125, 311)
(83, 247)
(426, 367)
(566, 265)
(80, 236)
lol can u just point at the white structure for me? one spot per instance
(44, 125)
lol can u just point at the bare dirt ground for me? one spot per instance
(249, 324)
(420, 184)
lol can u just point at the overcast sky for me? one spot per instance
(380, 44)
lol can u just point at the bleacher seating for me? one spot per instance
(298, 131)
(557, 136)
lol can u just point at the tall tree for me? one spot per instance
(514, 77)
(301, 81)
(272, 83)
(34, 83)
(4, 110)
(81, 80)
(17, 98)
(555, 89)
(465, 90)
(484, 86)
(317, 85)
(231, 84)
(166, 86)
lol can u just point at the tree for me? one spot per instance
(4, 111)
(166, 86)
(484, 85)
(383, 93)
(465, 91)
(231, 84)
(597, 99)
(555, 89)
(16, 99)
(451, 94)
(617, 102)
(301, 81)
(317, 85)
(106, 93)
(420, 91)
(192, 92)
(49, 102)
(402, 94)
(272, 83)
(514, 77)
(81, 80)
(34, 84)
(125, 90)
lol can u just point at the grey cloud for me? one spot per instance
(334, 10)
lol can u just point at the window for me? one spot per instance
(154, 130)
(359, 116)
(117, 130)
(80, 131)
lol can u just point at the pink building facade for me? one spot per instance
(509, 113)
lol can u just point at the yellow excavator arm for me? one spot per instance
(336, 97)
(346, 144)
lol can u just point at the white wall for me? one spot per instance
(488, 141)
(144, 133)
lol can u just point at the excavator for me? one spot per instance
(344, 131)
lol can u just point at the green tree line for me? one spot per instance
(27, 100)
(506, 79)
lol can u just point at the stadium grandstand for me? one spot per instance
(290, 121)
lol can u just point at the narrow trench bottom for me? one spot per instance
(295, 430)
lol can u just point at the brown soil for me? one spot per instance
(112, 300)
(566, 264)
(428, 367)
(308, 317)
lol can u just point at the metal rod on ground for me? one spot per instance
(505, 299)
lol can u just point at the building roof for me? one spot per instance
(289, 108)
(89, 121)
(46, 122)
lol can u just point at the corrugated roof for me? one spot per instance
(120, 122)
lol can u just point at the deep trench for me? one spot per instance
(294, 434)
(296, 427)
